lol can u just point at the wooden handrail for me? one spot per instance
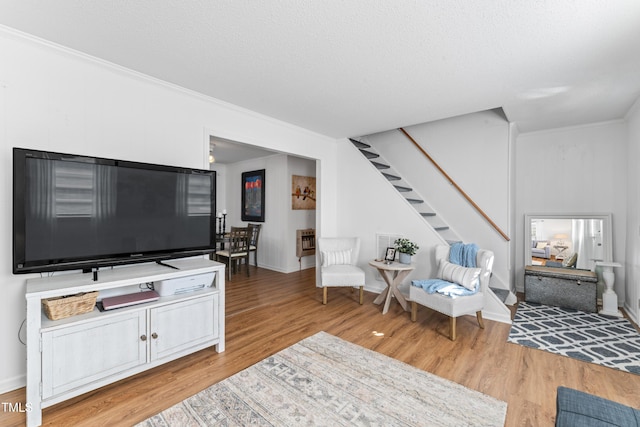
(460, 190)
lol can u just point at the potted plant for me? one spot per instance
(407, 249)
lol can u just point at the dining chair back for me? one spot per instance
(253, 241)
(236, 249)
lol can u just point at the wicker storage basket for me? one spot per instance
(69, 305)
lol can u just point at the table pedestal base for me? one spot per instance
(609, 296)
(393, 279)
(610, 305)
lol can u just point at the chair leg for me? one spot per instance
(361, 295)
(479, 316)
(452, 328)
(255, 257)
(324, 295)
(414, 311)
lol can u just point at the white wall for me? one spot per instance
(474, 150)
(271, 230)
(573, 170)
(369, 205)
(277, 245)
(549, 227)
(298, 219)
(632, 266)
(221, 186)
(513, 244)
(576, 170)
(55, 99)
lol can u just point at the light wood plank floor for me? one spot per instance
(270, 311)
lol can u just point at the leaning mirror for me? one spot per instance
(571, 240)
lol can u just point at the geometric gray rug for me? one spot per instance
(590, 337)
(326, 381)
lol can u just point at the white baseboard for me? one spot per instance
(631, 313)
(13, 384)
(511, 299)
(495, 310)
(376, 288)
(496, 317)
(307, 262)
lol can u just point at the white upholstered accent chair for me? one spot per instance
(339, 256)
(460, 305)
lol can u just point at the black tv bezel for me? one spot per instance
(20, 266)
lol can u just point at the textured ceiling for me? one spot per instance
(350, 68)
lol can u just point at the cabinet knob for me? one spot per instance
(143, 337)
(154, 335)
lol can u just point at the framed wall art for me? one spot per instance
(303, 192)
(253, 196)
(390, 255)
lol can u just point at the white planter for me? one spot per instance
(405, 258)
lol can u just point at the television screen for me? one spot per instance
(78, 212)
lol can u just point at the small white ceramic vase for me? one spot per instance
(405, 258)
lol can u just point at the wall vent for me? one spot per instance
(384, 241)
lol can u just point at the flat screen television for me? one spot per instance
(79, 212)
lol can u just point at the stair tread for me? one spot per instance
(369, 154)
(380, 165)
(391, 177)
(402, 188)
(503, 294)
(359, 144)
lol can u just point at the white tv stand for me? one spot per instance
(69, 357)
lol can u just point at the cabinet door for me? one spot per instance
(80, 354)
(180, 326)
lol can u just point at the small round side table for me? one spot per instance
(393, 274)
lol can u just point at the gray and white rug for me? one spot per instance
(591, 337)
(325, 381)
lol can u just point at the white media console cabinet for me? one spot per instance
(71, 356)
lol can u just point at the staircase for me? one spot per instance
(501, 296)
(407, 192)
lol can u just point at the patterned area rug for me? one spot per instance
(326, 381)
(608, 341)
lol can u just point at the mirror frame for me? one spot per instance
(607, 230)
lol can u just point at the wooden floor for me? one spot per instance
(270, 311)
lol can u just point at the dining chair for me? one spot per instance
(253, 241)
(236, 249)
